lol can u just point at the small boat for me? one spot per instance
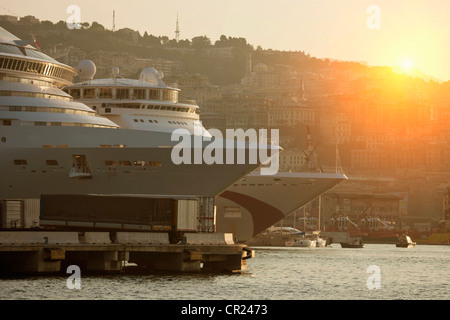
(304, 242)
(353, 244)
(405, 241)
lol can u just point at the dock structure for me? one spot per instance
(110, 233)
(47, 252)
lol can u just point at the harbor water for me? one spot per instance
(376, 272)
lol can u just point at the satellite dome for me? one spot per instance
(86, 69)
(151, 75)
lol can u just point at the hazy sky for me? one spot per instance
(415, 32)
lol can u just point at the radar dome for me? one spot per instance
(86, 69)
(150, 75)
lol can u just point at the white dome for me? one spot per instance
(151, 75)
(86, 69)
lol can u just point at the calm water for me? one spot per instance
(330, 273)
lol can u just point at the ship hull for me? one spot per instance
(257, 202)
(40, 160)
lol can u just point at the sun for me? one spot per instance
(407, 64)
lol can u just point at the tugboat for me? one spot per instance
(405, 241)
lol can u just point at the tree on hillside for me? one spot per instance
(201, 42)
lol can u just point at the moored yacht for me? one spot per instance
(53, 144)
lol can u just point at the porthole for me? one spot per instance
(3, 139)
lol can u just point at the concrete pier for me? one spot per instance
(46, 252)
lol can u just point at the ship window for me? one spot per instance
(151, 121)
(52, 162)
(105, 146)
(157, 107)
(40, 68)
(163, 107)
(139, 163)
(40, 123)
(89, 94)
(155, 164)
(20, 162)
(110, 163)
(156, 121)
(122, 94)
(139, 93)
(15, 108)
(166, 95)
(8, 63)
(174, 96)
(105, 93)
(135, 120)
(75, 93)
(125, 163)
(14, 65)
(55, 124)
(6, 122)
(153, 94)
(141, 120)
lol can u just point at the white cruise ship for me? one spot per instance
(250, 205)
(52, 144)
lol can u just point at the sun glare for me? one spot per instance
(407, 65)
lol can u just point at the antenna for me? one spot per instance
(114, 21)
(177, 31)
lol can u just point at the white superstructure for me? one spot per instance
(52, 144)
(145, 104)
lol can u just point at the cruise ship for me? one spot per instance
(52, 144)
(251, 204)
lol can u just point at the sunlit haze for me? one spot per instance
(324, 29)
